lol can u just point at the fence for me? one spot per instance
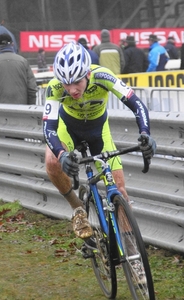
(158, 195)
(156, 99)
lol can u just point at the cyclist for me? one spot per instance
(75, 110)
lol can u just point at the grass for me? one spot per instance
(41, 259)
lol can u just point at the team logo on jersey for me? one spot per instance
(106, 76)
(49, 92)
(91, 89)
(90, 104)
(57, 86)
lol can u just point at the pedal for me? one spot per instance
(85, 253)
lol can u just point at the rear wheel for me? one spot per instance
(136, 267)
(97, 249)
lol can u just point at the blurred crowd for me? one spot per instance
(120, 59)
(128, 58)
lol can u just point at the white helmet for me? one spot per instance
(71, 63)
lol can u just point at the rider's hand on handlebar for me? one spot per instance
(70, 167)
(147, 145)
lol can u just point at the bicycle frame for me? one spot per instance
(111, 191)
(111, 188)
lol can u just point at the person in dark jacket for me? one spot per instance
(3, 30)
(158, 56)
(94, 56)
(135, 59)
(110, 55)
(182, 57)
(171, 49)
(41, 60)
(17, 81)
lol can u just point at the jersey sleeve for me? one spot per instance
(125, 94)
(50, 116)
(140, 111)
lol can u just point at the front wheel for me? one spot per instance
(97, 249)
(136, 266)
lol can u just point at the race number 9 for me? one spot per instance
(51, 110)
(48, 109)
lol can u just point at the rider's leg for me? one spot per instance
(62, 182)
(104, 142)
(120, 182)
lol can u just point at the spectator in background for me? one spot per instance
(122, 44)
(94, 56)
(110, 55)
(182, 57)
(17, 81)
(3, 30)
(41, 61)
(171, 49)
(157, 56)
(135, 59)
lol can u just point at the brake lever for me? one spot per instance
(75, 182)
(147, 162)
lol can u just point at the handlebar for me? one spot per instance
(105, 156)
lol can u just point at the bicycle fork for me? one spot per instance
(118, 252)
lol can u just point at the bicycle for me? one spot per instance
(116, 240)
